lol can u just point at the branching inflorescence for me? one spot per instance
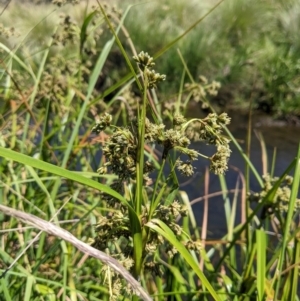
(121, 154)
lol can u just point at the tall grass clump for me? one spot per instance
(127, 231)
(241, 42)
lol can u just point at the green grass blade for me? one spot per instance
(4, 288)
(245, 157)
(28, 289)
(120, 44)
(41, 288)
(161, 228)
(71, 175)
(288, 221)
(91, 85)
(295, 274)
(167, 47)
(18, 60)
(261, 263)
(273, 162)
(161, 51)
(175, 271)
(268, 198)
(83, 31)
(34, 92)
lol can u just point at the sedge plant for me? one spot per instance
(136, 243)
(132, 214)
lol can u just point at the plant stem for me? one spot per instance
(137, 237)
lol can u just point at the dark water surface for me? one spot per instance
(276, 135)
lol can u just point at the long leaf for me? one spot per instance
(292, 203)
(161, 228)
(27, 160)
(261, 263)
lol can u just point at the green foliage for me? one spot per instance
(53, 89)
(250, 47)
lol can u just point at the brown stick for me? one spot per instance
(83, 247)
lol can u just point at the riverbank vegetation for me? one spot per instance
(86, 97)
(252, 49)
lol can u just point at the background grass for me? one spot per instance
(251, 47)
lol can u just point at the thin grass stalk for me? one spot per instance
(19, 61)
(269, 196)
(160, 289)
(92, 82)
(273, 162)
(250, 259)
(191, 216)
(140, 150)
(264, 162)
(166, 232)
(205, 213)
(227, 205)
(224, 192)
(14, 126)
(233, 257)
(295, 272)
(161, 51)
(155, 200)
(69, 272)
(22, 238)
(248, 145)
(5, 286)
(158, 198)
(8, 81)
(168, 46)
(120, 44)
(45, 129)
(186, 67)
(288, 222)
(264, 156)
(137, 236)
(245, 157)
(34, 92)
(179, 98)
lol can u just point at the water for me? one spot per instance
(276, 135)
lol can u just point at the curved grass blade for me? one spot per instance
(161, 228)
(83, 31)
(27, 160)
(267, 199)
(288, 222)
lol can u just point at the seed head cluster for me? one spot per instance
(145, 62)
(199, 91)
(61, 3)
(210, 130)
(121, 159)
(7, 32)
(281, 199)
